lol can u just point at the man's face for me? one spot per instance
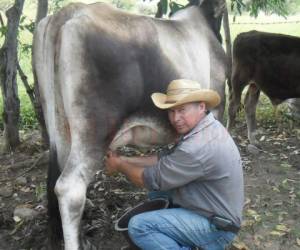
(185, 117)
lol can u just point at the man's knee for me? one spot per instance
(136, 225)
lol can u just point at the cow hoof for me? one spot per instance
(252, 149)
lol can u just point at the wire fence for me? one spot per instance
(264, 23)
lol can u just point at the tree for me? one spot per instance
(253, 7)
(227, 43)
(8, 70)
(42, 11)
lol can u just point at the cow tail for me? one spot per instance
(54, 219)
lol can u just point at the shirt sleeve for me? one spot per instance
(171, 171)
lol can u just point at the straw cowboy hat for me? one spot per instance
(183, 91)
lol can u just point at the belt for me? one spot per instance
(224, 224)
(229, 228)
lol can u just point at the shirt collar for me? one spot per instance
(203, 123)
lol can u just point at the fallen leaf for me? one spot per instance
(283, 228)
(278, 203)
(285, 165)
(248, 223)
(239, 246)
(25, 189)
(17, 218)
(277, 233)
(262, 138)
(268, 213)
(253, 214)
(17, 226)
(247, 201)
(276, 189)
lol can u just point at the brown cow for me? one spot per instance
(269, 63)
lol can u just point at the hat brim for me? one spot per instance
(210, 97)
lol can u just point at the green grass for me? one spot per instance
(246, 23)
(28, 119)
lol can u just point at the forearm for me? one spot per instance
(132, 171)
(142, 161)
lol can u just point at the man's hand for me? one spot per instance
(112, 163)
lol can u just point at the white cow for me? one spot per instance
(96, 68)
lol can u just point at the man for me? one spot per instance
(203, 173)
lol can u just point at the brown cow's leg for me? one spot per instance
(251, 101)
(234, 104)
(218, 112)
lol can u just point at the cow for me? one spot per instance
(267, 62)
(96, 67)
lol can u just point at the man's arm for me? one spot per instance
(142, 161)
(132, 167)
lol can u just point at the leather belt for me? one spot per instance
(230, 228)
(224, 224)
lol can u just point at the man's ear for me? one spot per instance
(202, 106)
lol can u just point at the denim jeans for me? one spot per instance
(176, 228)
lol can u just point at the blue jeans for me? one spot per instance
(176, 228)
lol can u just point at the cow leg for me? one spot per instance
(251, 101)
(89, 138)
(219, 111)
(54, 219)
(70, 188)
(234, 104)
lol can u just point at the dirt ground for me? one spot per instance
(272, 202)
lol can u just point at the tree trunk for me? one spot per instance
(228, 44)
(8, 68)
(41, 13)
(159, 12)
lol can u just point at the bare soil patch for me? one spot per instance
(272, 185)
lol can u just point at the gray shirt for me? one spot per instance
(204, 172)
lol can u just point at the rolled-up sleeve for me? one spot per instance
(171, 171)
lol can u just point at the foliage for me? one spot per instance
(56, 5)
(169, 6)
(147, 8)
(253, 7)
(40, 191)
(28, 119)
(293, 6)
(25, 32)
(3, 30)
(25, 25)
(5, 4)
(124, 4)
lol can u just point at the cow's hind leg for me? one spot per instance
(218, 112)
(251, 101)
(82, 164)
(89, 96)
(54, 220)
(234, 103)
